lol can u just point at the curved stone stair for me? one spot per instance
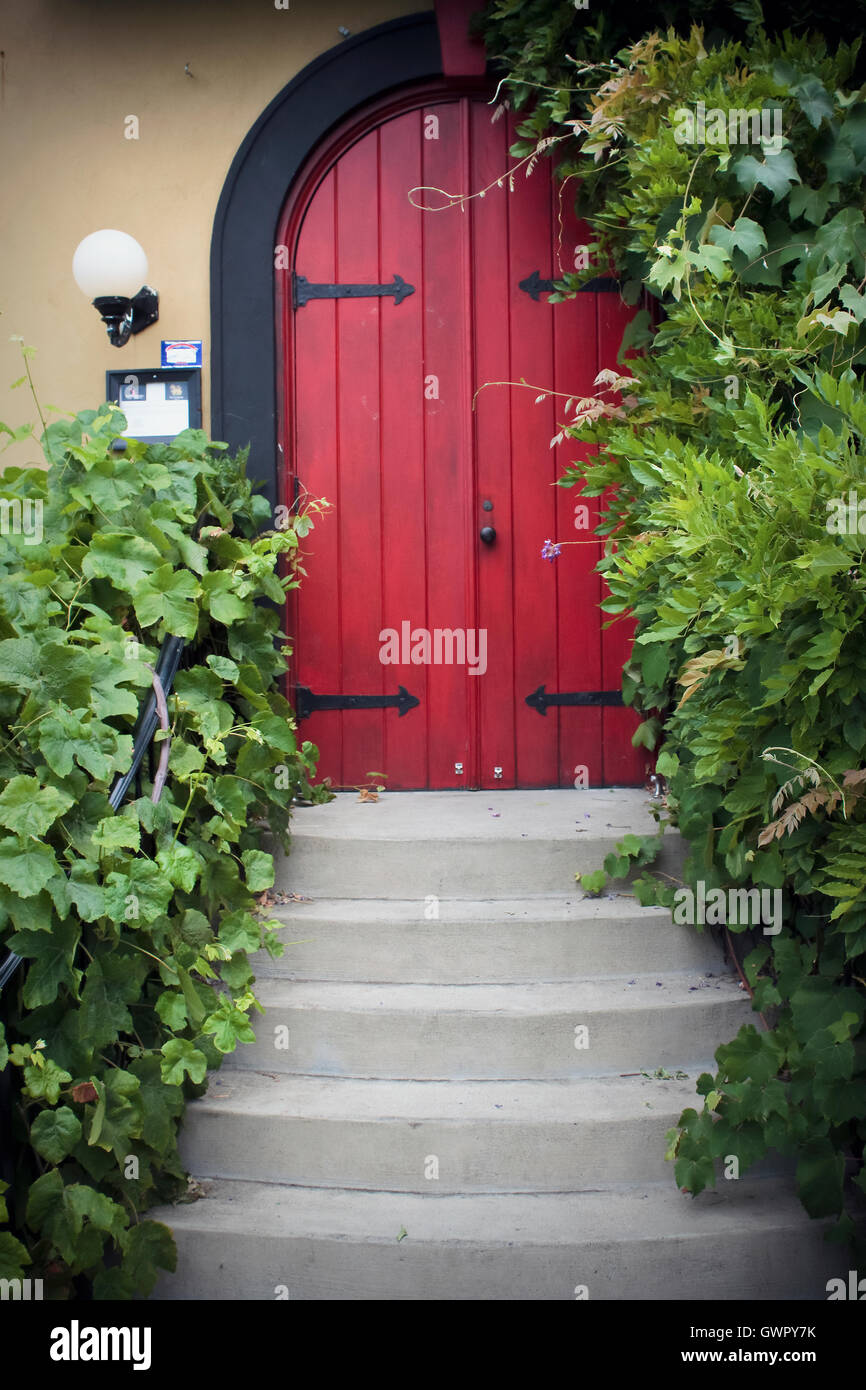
(415, 1120)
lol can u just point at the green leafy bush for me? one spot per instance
(730, 458)
(135, 928)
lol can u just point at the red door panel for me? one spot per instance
(358, 517)
(448, 441)
(402, 482)
(315, 458)
(533, 470)
(623, 765)
(378, 417)
(579, 587)
(491, 279)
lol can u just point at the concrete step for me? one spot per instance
(466, 1032)
(412, 845)
(415, 1120)
(485, 1136)
(247, 1240)
(493, 941)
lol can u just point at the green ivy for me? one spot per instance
(730, 455)
(135, 928)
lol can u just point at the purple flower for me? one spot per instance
(550, 550)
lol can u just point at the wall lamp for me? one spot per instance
(108, 267)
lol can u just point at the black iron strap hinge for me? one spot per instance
(307, 703)
(535, 286)
(540, 700)
(303, 291)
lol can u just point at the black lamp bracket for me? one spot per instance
(123, 317)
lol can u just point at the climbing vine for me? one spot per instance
(724, 177)
(134, 927)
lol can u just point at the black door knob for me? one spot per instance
(488, 535)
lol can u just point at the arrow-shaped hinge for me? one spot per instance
(303, 291)
(534, 286)
(307, 703)
(541, 701)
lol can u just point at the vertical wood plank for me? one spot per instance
(358, 422)
(575, 330)
(448, 460)
(533, 471)
(623, 765)
(491, 319)
(404, 538)
(315, 448)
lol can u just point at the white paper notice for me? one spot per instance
(155, 415)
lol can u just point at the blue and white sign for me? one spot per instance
(182, 353)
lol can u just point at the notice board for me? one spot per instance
(158, 402)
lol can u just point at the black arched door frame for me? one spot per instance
(243, 346)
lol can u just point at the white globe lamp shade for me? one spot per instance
(109, 263)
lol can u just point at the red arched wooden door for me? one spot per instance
(403, 594)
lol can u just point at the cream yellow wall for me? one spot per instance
(71, 71)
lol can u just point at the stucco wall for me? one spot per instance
(71, 72)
